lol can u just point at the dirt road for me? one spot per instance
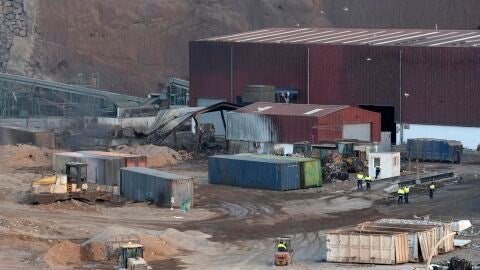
(242, 223)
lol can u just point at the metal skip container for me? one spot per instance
(420, 238)
(351, 246)
(253, 172)
(143, 184)
(442, 230)
(435, 150)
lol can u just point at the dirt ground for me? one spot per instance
(228, 228)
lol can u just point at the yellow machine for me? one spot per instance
(72, 185)
(283, 254)
(131, 258)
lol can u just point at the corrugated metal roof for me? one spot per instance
(373, 37)
(312, 110)
(169, 120)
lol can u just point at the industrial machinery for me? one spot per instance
(130, 257)
(284, 252)
(338, 160)
(72, 185)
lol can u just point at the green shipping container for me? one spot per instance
(311, 173)
(310, 169)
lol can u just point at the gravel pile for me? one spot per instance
(409, 222)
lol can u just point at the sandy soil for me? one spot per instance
(229, 228)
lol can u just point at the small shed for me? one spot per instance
(389, 163)
(264, 123)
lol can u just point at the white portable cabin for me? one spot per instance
(389, 163)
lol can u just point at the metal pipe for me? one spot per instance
(400, 95)
(430, 256)
(231, 74)
(308, 75)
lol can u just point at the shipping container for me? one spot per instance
(420, 238)
(350, 246)
(254, 172)
(144, 184)
(310, 169)
(130, 159)
(434, 150)
(100, 169)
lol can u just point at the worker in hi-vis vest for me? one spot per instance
(406, 190)
(368, 181)
(359, 181)
(431, 189)
(400, 193)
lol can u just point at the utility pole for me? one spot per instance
(400, 95)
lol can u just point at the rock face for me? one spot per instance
(12, 24)
(135, 46)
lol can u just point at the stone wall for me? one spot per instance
(12, 23)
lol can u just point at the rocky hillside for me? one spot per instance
(136, 45)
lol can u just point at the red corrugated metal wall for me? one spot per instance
(209, 71)
(283, 66)
(331, 126)
(296, 128)
(442, 82)
(354, 75)
(444, 86)
(355, 115)
(328, 128)
(210, 68)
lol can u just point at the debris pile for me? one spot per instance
(74, 205)
(156, 248)
(63, 253)
(459, 264)
(409, 221)
(158, 245)
(94, 251)
(24, 156)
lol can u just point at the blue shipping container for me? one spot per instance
(252, 172)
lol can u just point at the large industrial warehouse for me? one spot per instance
(426, 79)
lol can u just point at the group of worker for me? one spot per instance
(367, 178)
(403, 192)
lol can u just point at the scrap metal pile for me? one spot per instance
(167, 121)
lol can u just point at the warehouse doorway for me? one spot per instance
(388, 119)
